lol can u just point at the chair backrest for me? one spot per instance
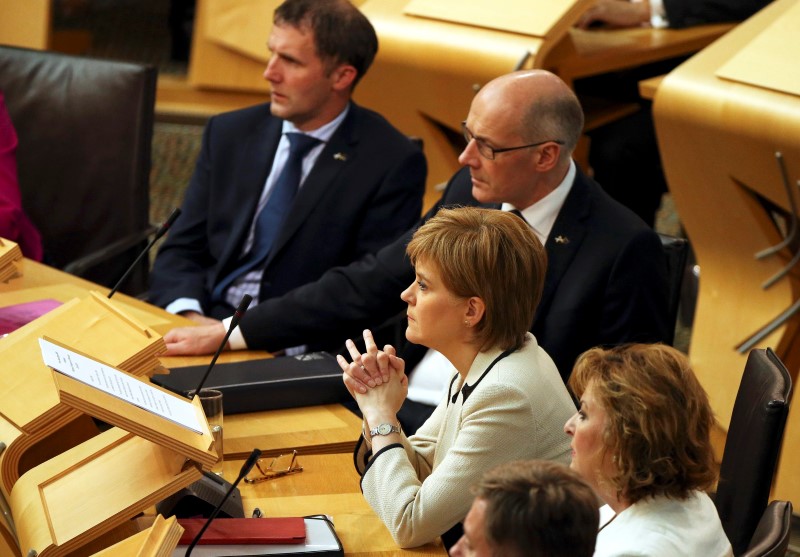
(85, 129)
(752, 446)
(676, 251)
(771, 538)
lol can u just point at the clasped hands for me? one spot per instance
(376, 379)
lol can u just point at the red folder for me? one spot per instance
(238, 531)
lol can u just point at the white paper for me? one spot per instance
(118, 384)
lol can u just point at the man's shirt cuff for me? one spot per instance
(236, 340)
(184, 304)
(658, 15)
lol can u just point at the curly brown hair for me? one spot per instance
(658, 419)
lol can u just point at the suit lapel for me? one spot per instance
(256, 161)
(338, 154)
(564, 241)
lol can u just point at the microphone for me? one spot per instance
(161, 231)
(246, 467)
(237, 316)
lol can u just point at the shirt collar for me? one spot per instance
(542, 215)
(324, 132)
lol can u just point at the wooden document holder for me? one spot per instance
(64, 504)
(10, 260)
(160, 540)
(34, 424)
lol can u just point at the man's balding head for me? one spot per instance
(539, 105)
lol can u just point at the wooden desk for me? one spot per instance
(586, 53)
(328, 485)
(313, 429)
(40, 281)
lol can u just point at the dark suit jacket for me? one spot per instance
(605, 284)
(363, 192)
(686, 13)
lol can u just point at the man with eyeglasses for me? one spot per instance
(605, 280)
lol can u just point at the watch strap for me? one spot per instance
(384, 429)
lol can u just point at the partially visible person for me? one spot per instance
(668, 13)
(14, 223)
(641, 440)
(284, 191)
(530, 508)
(479, 277)
(624, 154)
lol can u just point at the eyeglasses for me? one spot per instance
(281, 465)
(490, 152)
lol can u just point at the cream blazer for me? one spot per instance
(516, 411)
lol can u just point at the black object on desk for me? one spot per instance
(267, 384)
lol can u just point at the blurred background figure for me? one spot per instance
(14, 224)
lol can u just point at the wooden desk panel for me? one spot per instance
(718, 139)
(40, 282)
(585, 53)
(328, 485)
(310, 430)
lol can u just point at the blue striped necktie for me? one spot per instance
(272, 216)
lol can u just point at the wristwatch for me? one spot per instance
(384, 429)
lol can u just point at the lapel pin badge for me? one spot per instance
(339, 157)
(561, 240)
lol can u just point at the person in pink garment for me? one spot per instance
(14, 223)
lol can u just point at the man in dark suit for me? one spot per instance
(360, 180)
(605, 281)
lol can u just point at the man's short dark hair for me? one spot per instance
(342, 34)
(538, 508)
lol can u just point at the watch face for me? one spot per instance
(384, 429)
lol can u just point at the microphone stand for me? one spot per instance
(161, 231)
(237, 316)
(246, 467)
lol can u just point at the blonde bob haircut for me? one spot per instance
(658, 419)
(493, 255)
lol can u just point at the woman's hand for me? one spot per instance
(370, 369)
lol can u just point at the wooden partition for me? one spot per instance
(720, 119)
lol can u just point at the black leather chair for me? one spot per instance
(753, 445)
(676, 251)
(85, 128)
(771, 538)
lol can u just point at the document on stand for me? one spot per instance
(120, 385)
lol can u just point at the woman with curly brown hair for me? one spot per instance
(641, 439)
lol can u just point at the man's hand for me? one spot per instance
(198, 318)
(616, 13)
(195, 341)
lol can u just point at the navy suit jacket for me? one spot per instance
(364, 190)
(605, 284)
(686, 13)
